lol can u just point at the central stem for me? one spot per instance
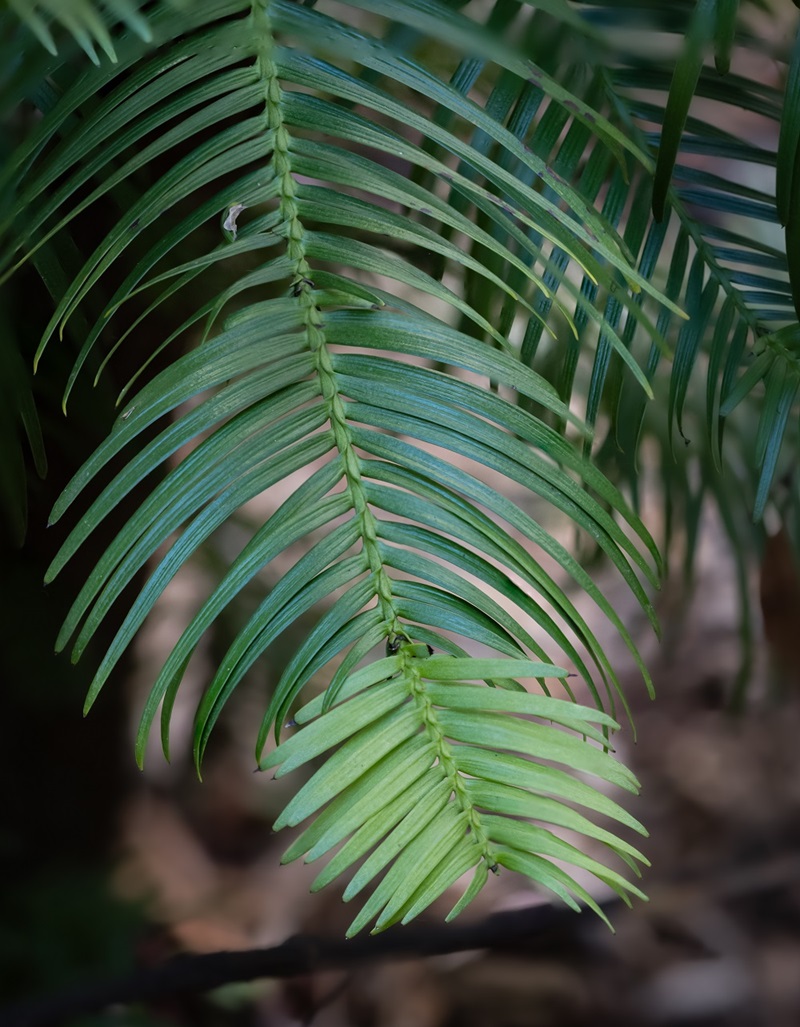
(303, 291)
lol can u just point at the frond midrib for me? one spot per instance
(302, 289)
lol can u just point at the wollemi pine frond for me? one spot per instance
(304, 154)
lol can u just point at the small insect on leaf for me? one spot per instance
(297, 286)
(229, 226)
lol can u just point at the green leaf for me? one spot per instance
(789, 138)
(724, 33)
(684, 83)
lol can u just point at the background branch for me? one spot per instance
(531, 929)
(302, 954)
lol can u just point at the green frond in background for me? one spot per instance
(726, 153)
(735, 275)
(91, 23)
(401, 268)
(18, 421)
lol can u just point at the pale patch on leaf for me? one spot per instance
(229, 226)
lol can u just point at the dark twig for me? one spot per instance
(536, 928)
(193, 974)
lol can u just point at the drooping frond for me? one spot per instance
(380, 234)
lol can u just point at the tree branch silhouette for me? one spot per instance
(532, 929)
(301, 954)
